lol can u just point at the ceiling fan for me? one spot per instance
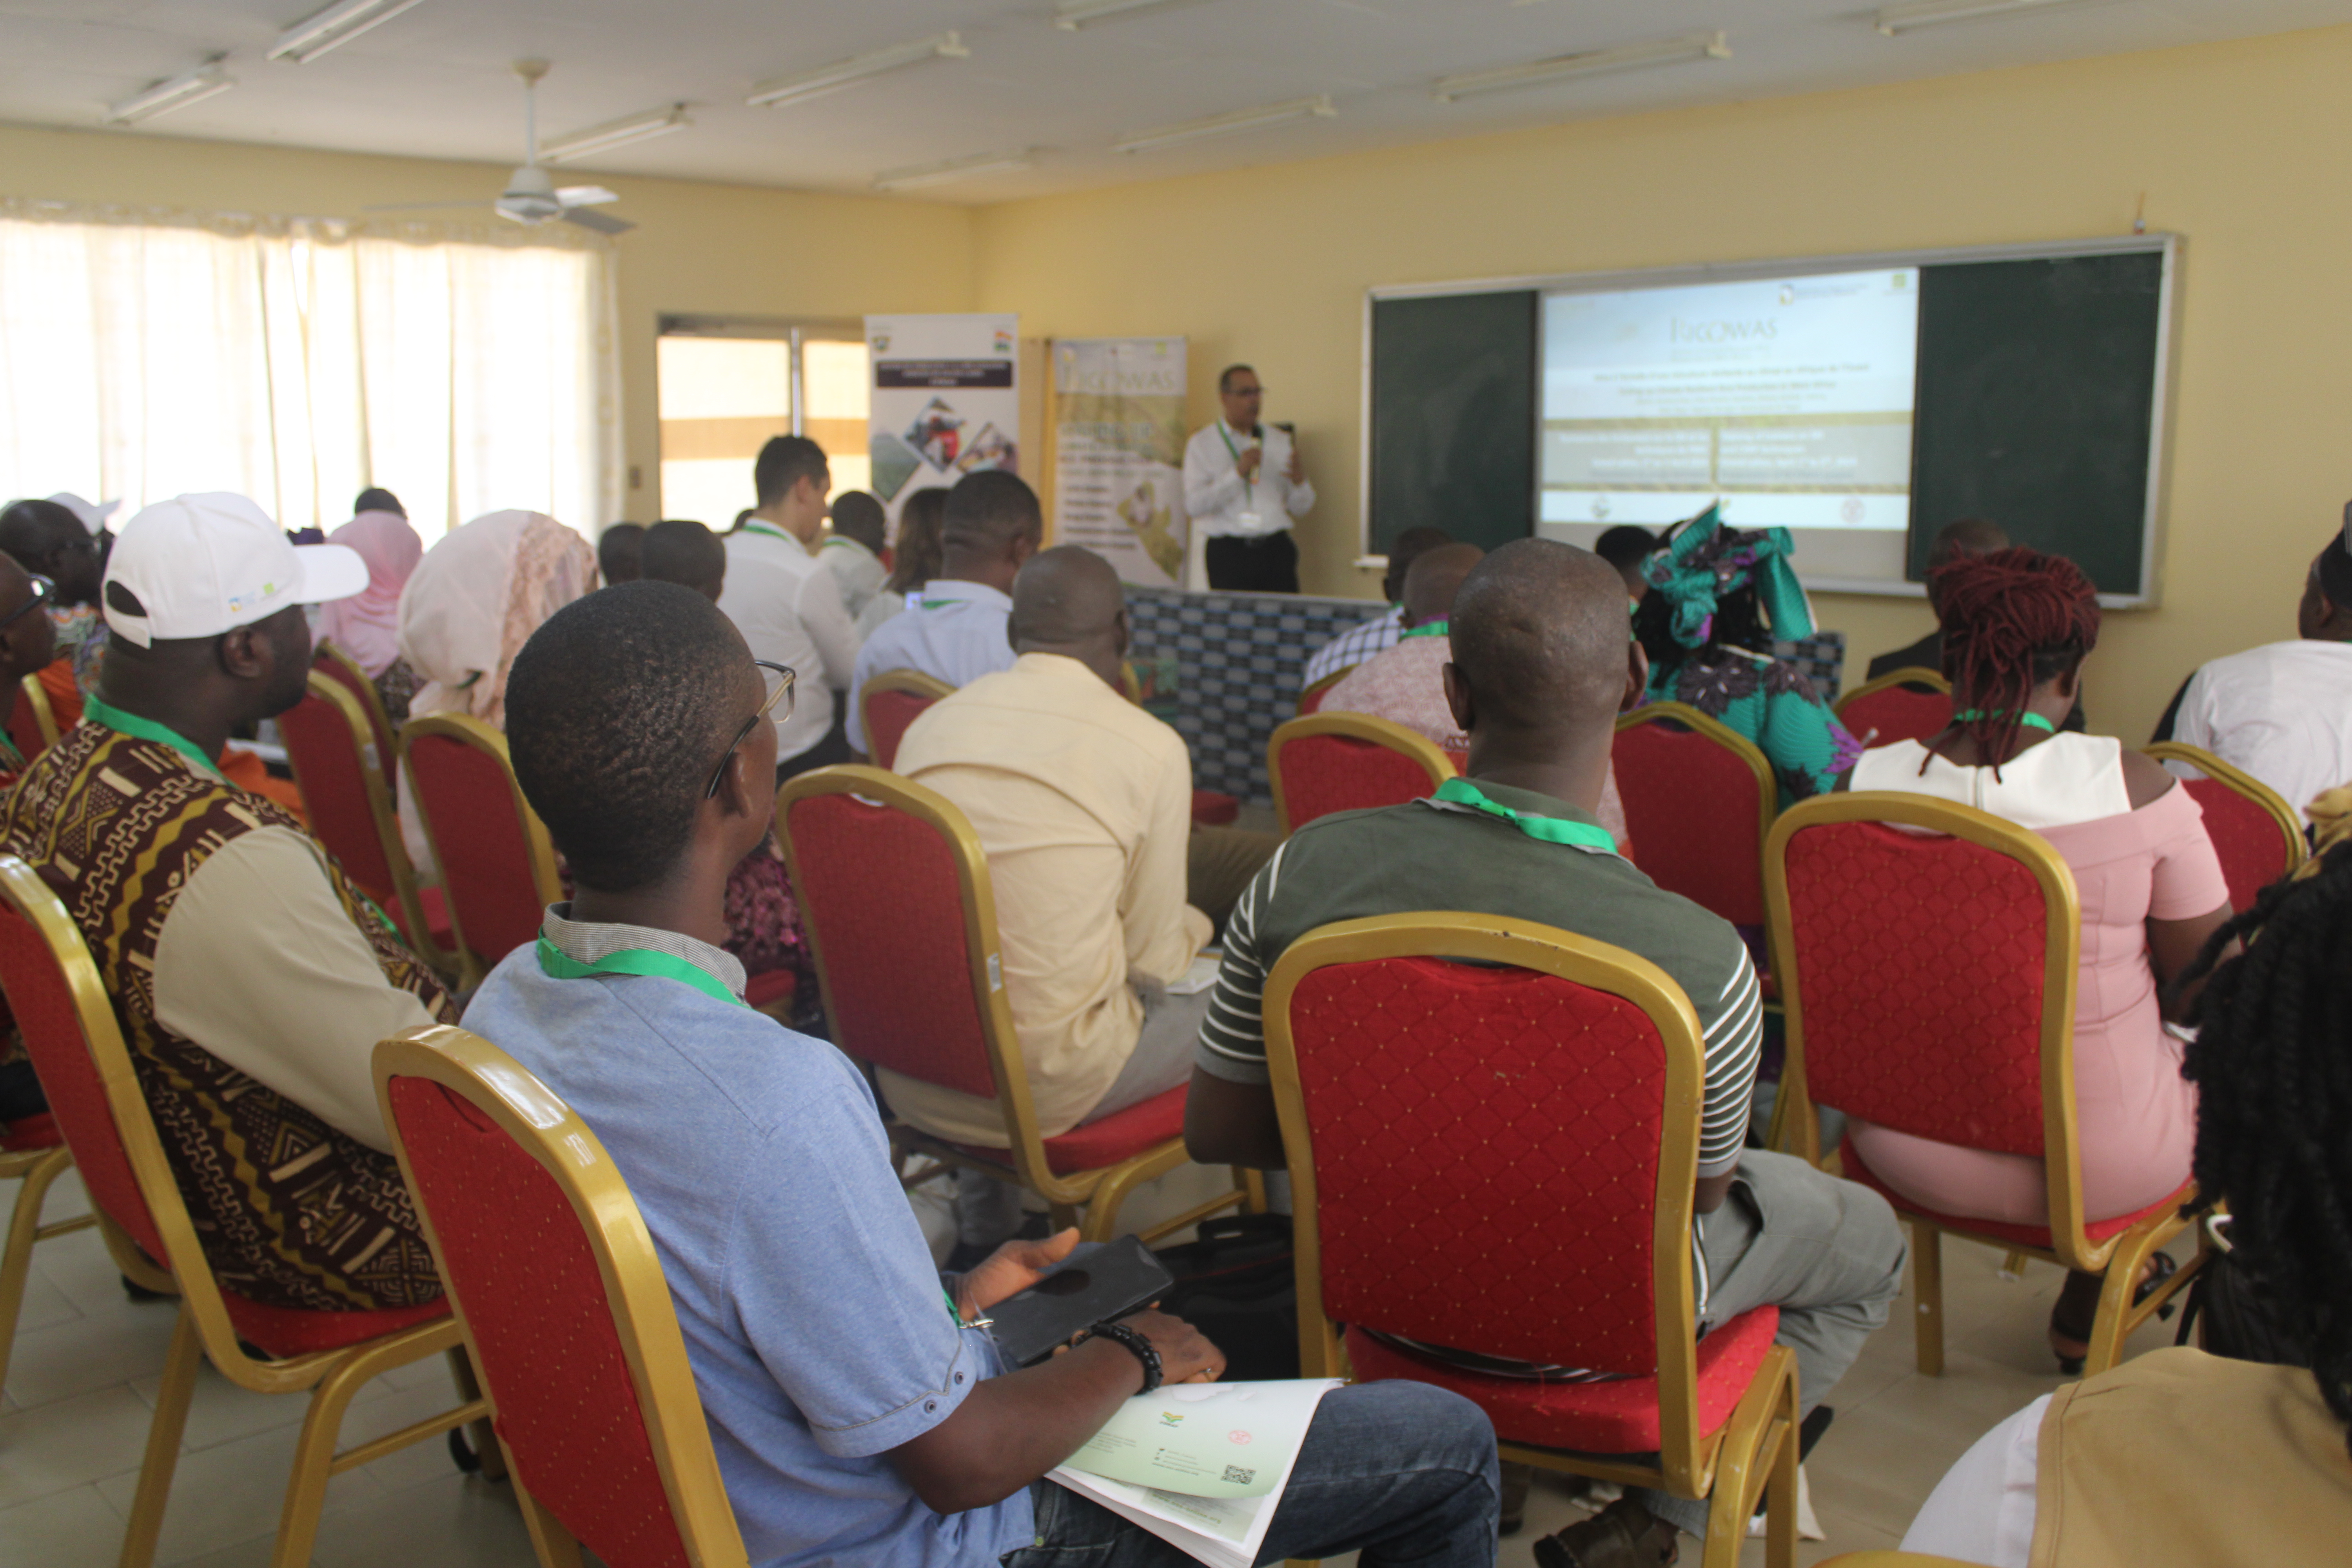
(531, 197)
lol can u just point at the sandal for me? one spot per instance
(1623, 1535)
(2074, 1329)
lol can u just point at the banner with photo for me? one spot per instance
(947, 401)
(1119, 446)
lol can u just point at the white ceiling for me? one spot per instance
(433, 82)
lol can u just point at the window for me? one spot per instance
(726, 387)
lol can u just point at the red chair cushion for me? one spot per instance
(1120, 1136)
(1326, 773)
(290, 1331)
(1213, 808)
(26, 1134)
(477, 827)
(371, 704)
(769, 987)
(1898, 713)
(1692, 807)
(2245, 835)
(335, 801)
(888, 715)
(2036, 1235)
(1618, 1416)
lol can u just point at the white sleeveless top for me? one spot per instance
(2066, 779)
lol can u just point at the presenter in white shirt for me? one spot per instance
(1243, 486)
(789, 607)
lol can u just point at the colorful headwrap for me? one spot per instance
(1704, 560)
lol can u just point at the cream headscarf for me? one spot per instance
(474, 600)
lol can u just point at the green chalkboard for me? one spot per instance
(1453, 417)
(2037, 386)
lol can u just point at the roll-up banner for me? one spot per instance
(947, 401)
(1118, 446)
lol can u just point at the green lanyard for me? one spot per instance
(138, 729)
(1249, 487)
(1426, 629)
(2030, 720)
(562, 965)
(1542, 829)
(772, 531)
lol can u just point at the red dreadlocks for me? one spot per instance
(2013, 620)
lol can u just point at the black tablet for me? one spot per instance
(1095, 1284)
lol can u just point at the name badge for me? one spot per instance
(1248, 522)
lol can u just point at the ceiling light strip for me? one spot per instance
(857, 68)
(1076, 13)
(178, 92)
(1897, 19)
(615, 133)
(334, 28)
(1317, 108)
(939, 174)
(1599, 62)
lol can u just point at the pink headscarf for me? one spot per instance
(367, 625)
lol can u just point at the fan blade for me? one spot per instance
(584, 195)
(598, 221)
(421, 206)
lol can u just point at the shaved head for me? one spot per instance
(1969, 536)
(1540, 633)
(1403, 551)
(1435, 577)
(1065, 594)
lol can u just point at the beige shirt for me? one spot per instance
(258, 963)
(1084, 804)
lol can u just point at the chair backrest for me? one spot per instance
(1914, 703)
(1926, 953)
(2255, 832)
(32, 723)
(895, 897)
(888, 703)
(343, 794)
(1440, 1071)
(555, 1282)
(1345, 762)
(1699, 798)
(334, 662)
(1311, 700)
(498, 864)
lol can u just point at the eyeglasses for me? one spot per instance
(44, 591)
(779, 678)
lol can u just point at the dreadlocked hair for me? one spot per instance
(2013, 620)
(2273, 1065)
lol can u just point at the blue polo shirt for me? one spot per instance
(813, 1317)
(952, 631)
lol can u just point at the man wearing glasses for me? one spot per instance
(1243, 486)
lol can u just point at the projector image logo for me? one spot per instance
(1724, 332)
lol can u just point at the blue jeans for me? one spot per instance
(1403, 1472)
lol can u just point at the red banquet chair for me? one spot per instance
(1492, 1133)
(1699, 798)
(2255, 832)
(900, 914)
(1310, 700)
(34, 1152)
(1914, 703)
(565, 1309)
(498, 864)
(1928, 978)
(891, 701)
(32, 722)
(76, 1046)
(1345, 762)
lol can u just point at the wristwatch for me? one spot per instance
(1140, 1347)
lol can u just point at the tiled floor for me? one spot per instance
(73, 1424)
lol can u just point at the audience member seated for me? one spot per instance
(1359, 643)
(2185, 1456)
(1542, 663)
(686, 554)
(1963, 541)
(48, 540)
(853, 550)
(1083, 805)
(2017, 626)
(1626, 547)
(367, 625)
(954, 629)
(915, 560)
(251, 980)
(1719, 599)
(2283, 711)
(28, 640)
(1406, 682)
(620, 552)
(787, 610)
(375, 498)
(855, 1414)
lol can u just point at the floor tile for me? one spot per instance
(230, 1493)
(70, 1443)
(79, 1265)
(72, 1529)
(92, 1352)
(222, 1412)
(419, 1463)
(456, 1521)
(44, 1305)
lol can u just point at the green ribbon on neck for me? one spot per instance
(2030, 720)
(760, 525)
(1542, 829)
(104, 712)
(562, 965)
(1426, 629)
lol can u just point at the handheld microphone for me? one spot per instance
(1257, 433)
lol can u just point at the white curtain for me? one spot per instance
(465, 369)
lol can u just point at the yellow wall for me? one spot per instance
(701, 248)
(2238, 147)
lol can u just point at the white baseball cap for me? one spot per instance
(205, 564)
(93, 513)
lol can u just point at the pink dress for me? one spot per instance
(2137, 1116)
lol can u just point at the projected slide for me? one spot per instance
(1790, 398)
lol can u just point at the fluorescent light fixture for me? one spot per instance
(857, 68)
(939, 174)
(189, 87)
(1077, 14)
(334, 28)
(1318, 107)
(615, 133)
(1905, 18)
(1570, 67)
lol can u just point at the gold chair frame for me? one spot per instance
(1316, 688)
(1756, 1447)
(908, 680)
(551, 1132)
(1384, 732)
(203, 1329)
(1101, 1191)
(1768, 788)
(45, 712)
(347, 706)
(2119, 1258)
(2290, 822)
(466, 730)
(1909, 675)
(38, 1169)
